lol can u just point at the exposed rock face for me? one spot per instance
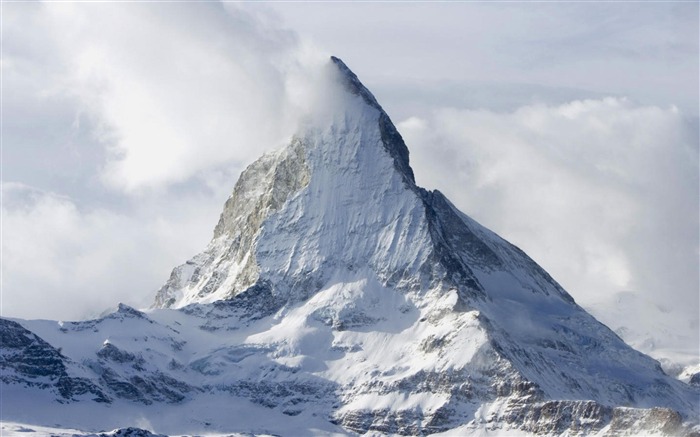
(111, 373)
(229, 265)
(337, 290)
(29, 361)
(130, 432)
(695, 380)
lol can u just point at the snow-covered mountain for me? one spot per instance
(338, 297)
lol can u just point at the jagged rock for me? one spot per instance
(26, 359)
(130, 432)
(628, 421)
(113, 353)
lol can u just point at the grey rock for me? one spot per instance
(28, 360)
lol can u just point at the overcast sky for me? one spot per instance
(570, 129)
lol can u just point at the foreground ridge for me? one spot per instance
(337, 296)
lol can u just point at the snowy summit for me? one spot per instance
(338, 297)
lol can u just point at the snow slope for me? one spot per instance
(338, 297)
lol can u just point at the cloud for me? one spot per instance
(61, 260)
(171, 90)
(125, 128)
(643, 50)
(602, 193)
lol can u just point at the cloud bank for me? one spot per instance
(171, 90)
(63, 261)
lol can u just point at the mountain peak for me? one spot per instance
(334, 229)
(352, 84)
(338, 292)
(390, 137)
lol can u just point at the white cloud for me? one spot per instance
(602, 193)
(176, 89)
(645, 50)
(64, 261)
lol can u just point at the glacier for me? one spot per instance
(337, 297)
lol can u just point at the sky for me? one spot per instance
(570, 129)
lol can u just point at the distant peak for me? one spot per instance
(352, 83)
